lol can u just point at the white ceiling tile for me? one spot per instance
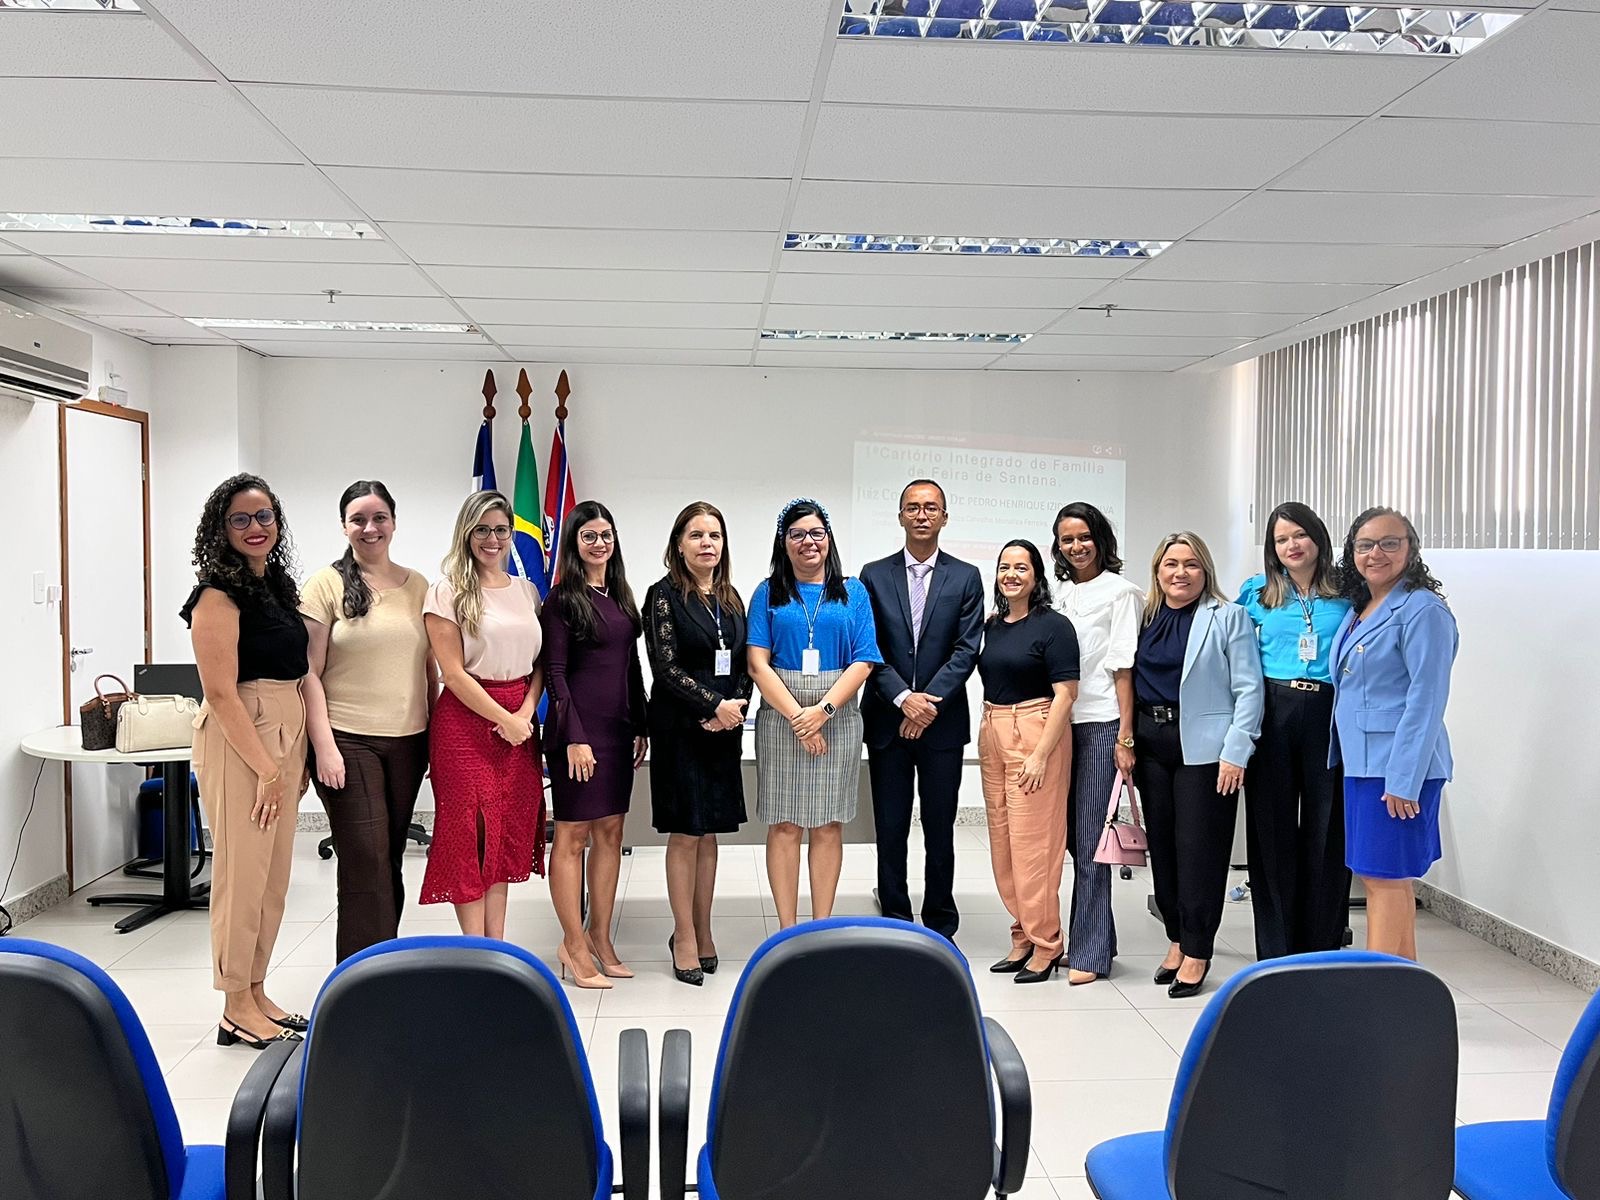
(564, 283)
(121, 45)
(95, 302)
(243, 306)
(931, 291)
(905, 319)
(132, 119)
(512, 133)
(1091, 362)
(1277, 263)
(604, 338)
(1165, 214)
(965, 266)
(1540, 69)
(205, 247)
(583, 201)
(1213, 296)
(674, 48)
(8, 249)
(148, 189)
(607, 312)
(1125, 346)
(629, 249)
(186, 275)
(426, 351)
(589, 354)
(1366, 217)
(1410, 154)
(37, 273)
(884, 360)
(1128, 321)
(1080, 78)
(1060, 149)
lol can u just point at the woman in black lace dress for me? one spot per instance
(694, 631)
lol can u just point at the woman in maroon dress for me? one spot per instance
(483, 745)
(595, 733)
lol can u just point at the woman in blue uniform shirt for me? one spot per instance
(1294, 806)
(1392, 660)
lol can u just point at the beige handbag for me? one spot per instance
(155, 723)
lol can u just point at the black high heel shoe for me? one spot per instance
(1010, 966)
(1180, 989)
(293, 1021)
(708, 964)
(1165, 975)
(1026, 976)
(694, 976)
(229, 1034)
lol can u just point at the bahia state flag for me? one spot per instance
(483, 460)
(559, 499)
(527, 541)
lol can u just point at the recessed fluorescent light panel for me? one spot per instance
(74, 5)
(341, 326)
(897, 243)
(867, 335)
(213, 226)
(1348, 27)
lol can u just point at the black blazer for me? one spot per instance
(680, 637)
(952, 628)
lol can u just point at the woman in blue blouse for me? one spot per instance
(812, 645)
(1294, 809)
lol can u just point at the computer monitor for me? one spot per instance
(168, 679)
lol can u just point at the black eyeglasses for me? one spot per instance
(265, 518)
(799, 535)
(1389, 545)
(933, 510)
(594, 537)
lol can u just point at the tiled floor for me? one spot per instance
(1101, 1057)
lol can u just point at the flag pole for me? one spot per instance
(563, 390)
(489, 392)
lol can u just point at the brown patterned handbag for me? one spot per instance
(98, 717)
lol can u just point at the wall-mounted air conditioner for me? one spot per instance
(41, 359)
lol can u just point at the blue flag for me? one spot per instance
(483, 460)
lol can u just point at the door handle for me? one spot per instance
(76, 653)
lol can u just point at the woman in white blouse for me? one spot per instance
(1104, 610)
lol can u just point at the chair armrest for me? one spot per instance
(279, 1128)
(633, 1112)
(674, 1118)
(243, 1141)
(1016, 1108)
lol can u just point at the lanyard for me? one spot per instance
(1305, 605)
(717, 616)
(811, 617)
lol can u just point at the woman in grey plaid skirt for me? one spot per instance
(812, 646)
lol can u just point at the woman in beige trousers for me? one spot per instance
(1029, 668)
(249, 743)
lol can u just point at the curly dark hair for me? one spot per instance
(1416, 574)
(1100, 533)
(217, 562)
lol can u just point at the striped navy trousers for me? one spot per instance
(1091, 929)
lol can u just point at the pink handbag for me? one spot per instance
(1123, 843)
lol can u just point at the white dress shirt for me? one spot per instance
(1105, 615)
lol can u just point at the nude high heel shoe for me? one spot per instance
(599, 982)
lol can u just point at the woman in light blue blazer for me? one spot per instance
(1392, 660)
(1197, 691)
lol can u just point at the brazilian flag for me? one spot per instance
(527, 542)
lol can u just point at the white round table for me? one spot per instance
(64, 743)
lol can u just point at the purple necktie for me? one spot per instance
(919, 597)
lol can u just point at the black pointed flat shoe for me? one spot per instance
(229, 1034)
(292, 1021)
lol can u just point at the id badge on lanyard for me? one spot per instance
(811, 661)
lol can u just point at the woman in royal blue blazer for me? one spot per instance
(1197, 693)
(1392, 659)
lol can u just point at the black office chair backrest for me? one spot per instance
(853, 1064)
(75, 1115)
(446, 1071)
(1328, 1076)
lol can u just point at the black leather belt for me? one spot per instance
(1299, 685)
(1161, 714)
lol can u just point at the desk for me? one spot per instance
(64, 743)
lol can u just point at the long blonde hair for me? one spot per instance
(1154, 601)
(460, 568)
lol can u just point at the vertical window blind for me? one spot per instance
(1475, 413)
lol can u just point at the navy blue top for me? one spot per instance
(1278, 630)
(1158, 665)
(842, 633)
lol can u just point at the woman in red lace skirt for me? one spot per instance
(483, 625)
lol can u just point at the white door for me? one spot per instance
(105, 516)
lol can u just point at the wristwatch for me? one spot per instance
(827, 708)
(1126, 743)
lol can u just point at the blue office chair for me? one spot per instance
(1557, 1158)
(1330, 1075)
(448, 1066)
(854, 1062)
(86, 1111)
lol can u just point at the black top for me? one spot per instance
(272, 639)
(681, 638)
(1158, 664)
(1021, 660)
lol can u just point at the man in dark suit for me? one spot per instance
(928, 608)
